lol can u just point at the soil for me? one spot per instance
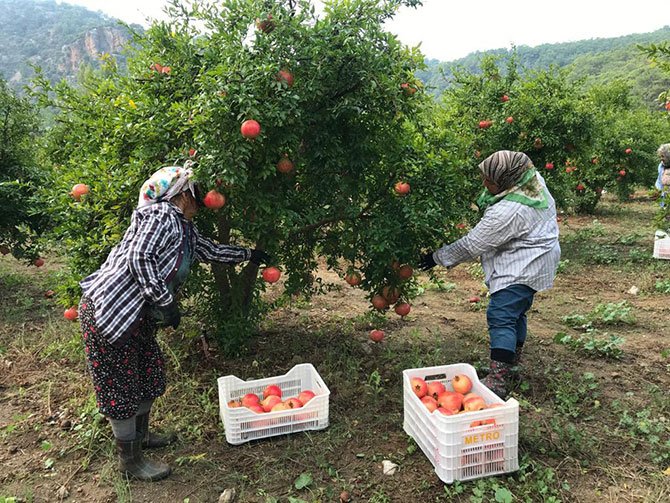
(51, 441)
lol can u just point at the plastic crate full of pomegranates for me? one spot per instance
(255, 409)
(463, 428)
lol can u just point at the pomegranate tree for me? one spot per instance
(307, 154)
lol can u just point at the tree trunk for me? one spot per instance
(236, 313)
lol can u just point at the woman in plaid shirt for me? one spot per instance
(131, 296)
(517, 241)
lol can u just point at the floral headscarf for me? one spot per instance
(166, 183)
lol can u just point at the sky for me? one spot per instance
(451, 29)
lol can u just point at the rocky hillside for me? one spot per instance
(59, 38)
(88, 47)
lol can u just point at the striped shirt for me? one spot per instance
(138, 270)
(517, 245)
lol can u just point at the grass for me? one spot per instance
(595, 243)
(607, 314)
(592, 343)
(663, 286)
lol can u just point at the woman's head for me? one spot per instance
(171, 183)
(187, 203)
(664, 154)
(503, 169)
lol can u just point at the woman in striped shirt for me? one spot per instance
(131, 296)
(517, 240)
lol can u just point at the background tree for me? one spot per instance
(19, 214)
(626, 137)
(498, 110)
(582, 140)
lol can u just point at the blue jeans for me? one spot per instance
(506, 316)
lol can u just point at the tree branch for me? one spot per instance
(341, 218)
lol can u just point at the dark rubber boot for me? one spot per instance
(499, 378)
(518, 367)
(151, 440)
(133, 464)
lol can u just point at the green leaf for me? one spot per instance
(559, 338)
(503, 495)
(304, 480)
(45, 445)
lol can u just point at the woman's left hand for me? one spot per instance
(170, 315)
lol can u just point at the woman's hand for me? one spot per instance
(427, 262)
(169, 315)
(259, 257)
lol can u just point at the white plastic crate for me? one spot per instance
(457, 450)
(662, 245)
(242, 425)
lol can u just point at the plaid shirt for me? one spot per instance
(138, 270)
(517, 245)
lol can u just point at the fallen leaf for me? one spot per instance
(228, 496)
(62, 493)
(389, 467)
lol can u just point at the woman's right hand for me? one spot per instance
(169, 315)
(427, 262)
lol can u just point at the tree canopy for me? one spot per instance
(19, 175)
